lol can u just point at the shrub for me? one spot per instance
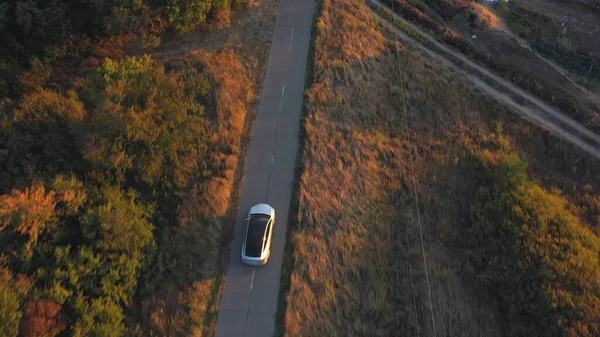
(529, 249)
(185, 15)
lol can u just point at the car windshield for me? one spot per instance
(257, 224)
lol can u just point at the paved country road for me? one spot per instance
(249, 302)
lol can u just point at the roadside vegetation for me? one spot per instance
(508, 212)
(117, 171)
(529, 247)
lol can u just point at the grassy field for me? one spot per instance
(357, 260)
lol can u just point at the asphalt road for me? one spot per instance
(249, 303)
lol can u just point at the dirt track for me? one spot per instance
(528, 105)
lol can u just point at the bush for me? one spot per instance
(186, 15)
(529, 249)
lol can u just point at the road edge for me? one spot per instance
(288, 262)
(228, 230)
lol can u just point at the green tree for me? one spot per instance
(122, 236)
(71, 194)
(120, 223)
(38, 139)
(186, 15)
(10, 311)
(99, 317)
(28, 28)
(116, 246)
(146, 126)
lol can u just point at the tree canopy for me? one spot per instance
(10, 313)
(147, 127)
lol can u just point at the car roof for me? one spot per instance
(261, 209)
(255, 236)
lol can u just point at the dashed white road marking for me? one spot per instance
(281, 101)
(291, 38)
(272, 158)
(252, 282)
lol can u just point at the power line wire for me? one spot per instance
(414, 177)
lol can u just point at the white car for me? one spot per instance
(256, 247)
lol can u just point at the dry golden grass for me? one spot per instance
(485, 17)
(235, 79)
(187, 276)
(366, 41)
(357, 238)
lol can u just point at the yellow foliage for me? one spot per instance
(47, 104)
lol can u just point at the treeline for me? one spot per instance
(86, 179)
(532, 250)
(50, 30)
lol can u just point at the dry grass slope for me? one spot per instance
(356, 251)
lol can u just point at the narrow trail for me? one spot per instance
(528, 105)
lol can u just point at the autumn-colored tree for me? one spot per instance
(30, 212)
(188, 14)
(42, 319)
(185, 15)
